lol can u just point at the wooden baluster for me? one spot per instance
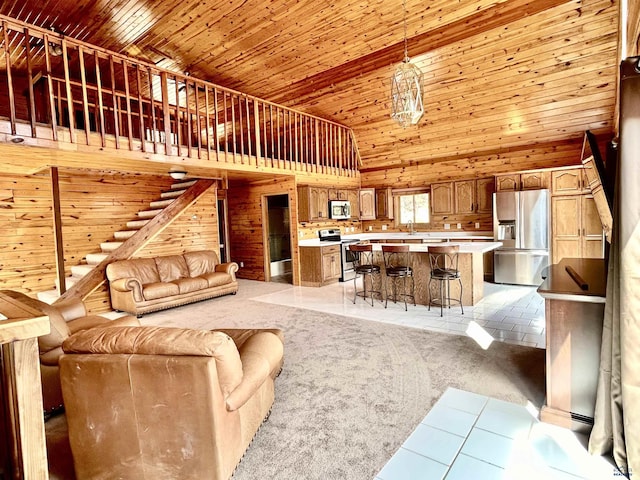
(85, 97)
(207, 121)
(178, 123)
(241, 127)
(127, 96)
(215, 123)
(164, 88)
(32, 102)
(271, 131)
(296, 136)
(249, 128)
(153, 111)
(233, 128)
(226, 134)
(7, 56)
(189, 120)
(116, 107)
(278, 132)
(67, 83)
(198, 130)
(100, 102)
(140, 110)
(317, 145)
(52, 102)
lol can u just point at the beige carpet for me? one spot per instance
(351, 391)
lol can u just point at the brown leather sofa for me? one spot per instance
(65, 318)
(170, 403)
(143, 285)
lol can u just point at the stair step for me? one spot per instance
(172, 193)
(81, 270)
(137, 223)
(185, 184)
(109, 246)
(148, 213)
(95, 258)
(72, 280)
(161, 203)
(124, 234)
(48, 296)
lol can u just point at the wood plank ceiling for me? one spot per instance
(498, 75)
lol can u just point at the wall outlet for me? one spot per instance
(477, 225)
(301, 233)
(458, 226)
(384, 227)
(447, 226)
(241, 264)
(370, 228)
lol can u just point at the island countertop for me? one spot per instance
(465, 247)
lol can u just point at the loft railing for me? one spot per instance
(59, 89)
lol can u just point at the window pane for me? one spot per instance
(421, 215)
(406, 208)
(414, 208)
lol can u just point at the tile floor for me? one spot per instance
(509, 313)
(470, 436)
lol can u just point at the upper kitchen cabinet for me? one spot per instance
(513, 182)
(442, 198)
(384, 203)
(313, 204)
(465, 196)
(354, 200)
(571, 181)
(337, 194)
(484, 194)
(367, 198)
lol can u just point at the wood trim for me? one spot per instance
(57, 229)
(94, 279)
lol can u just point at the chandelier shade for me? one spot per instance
(407, 107)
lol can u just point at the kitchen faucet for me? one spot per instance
(410, 223)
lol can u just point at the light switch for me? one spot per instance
(447, 226)
(477, 225)
(458, 226)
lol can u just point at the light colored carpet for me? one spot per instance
(351, 390)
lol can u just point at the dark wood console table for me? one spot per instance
(574, 317)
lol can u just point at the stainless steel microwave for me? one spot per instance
(339, 209)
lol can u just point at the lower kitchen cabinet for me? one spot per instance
(319, 265)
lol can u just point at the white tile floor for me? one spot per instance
(467, 436)
(509, 313)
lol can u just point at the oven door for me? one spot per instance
(347, 259)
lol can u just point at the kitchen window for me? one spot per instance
(412, 208)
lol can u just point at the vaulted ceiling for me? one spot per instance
(499, 75)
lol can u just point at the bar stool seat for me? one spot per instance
(444, 269)
(397, 265)
(365, 268)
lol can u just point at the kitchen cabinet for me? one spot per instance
(442, 198)
(571, 181)
(576, 228)
(464, 196)
(313, 204)
(354, 200)
(367, 198)
(338, 194)
(514, 182)
(319, 265)
(384, 203)
(484, 194)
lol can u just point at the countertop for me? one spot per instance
(465, 247)
(425, 237)
(559, 285)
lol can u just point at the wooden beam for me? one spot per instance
(497, 16)
(57, 230)
(142, 237)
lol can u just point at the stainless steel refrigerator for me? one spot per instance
(521, 223)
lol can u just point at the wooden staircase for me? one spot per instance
(88, 276)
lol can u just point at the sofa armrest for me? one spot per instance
(229, 267)
(260, 354)
(129, 284)
(92, 321)
(70, 309)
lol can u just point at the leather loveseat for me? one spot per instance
(166, 403)
(66, 318)
(143, 285)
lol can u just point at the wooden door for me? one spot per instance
(508, 183)
(465, 196)
(368, 204)
(442, 198)
(566, 227)
(592, 246)
(484, 194)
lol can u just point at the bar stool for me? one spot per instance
(397, 265)
(364, 267)
(444, 269)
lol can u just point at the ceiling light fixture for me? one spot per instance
(177, 174)
(406, 88)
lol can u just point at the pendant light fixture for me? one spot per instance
(406, 88)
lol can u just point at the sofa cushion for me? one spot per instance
(216, 279)
(186, 285)
(153, 291)
(144, 269)
(171, 268)
(201, 262)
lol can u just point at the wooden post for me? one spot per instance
(165, 110)
(57, 229)
(125, 74)
(100, 102)
(67, 84)
(85, 101)
(7, 56)
(52, 103)
(153, 111)
(116, 109)
(140, 109)
(32, 103)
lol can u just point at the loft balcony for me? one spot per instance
(57, 92)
